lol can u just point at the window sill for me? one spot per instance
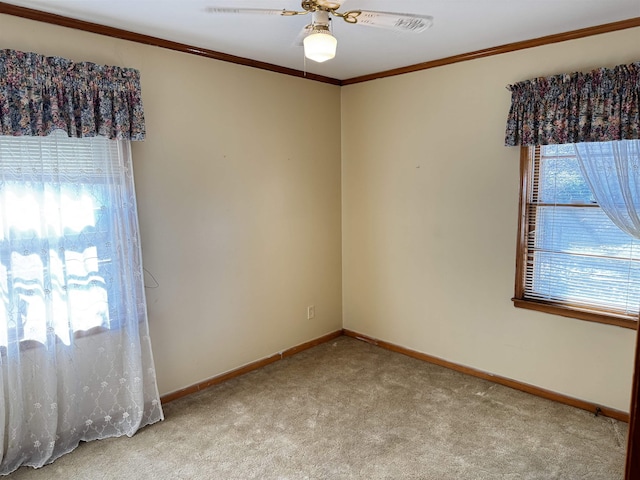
(573, 312)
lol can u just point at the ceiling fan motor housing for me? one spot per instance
(320, 18)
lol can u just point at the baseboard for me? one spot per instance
(515, 384)
(169, 397)
(525, 387)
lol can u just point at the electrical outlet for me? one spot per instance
(311, 312)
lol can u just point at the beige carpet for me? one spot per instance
(347, 409)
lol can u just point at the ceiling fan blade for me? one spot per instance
(260, 11)
(403, 22)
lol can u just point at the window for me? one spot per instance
(59, 260)
(571, 259)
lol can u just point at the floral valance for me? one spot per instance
(40, 94)
(598, 106)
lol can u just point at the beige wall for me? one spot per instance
(238, 199)
(430, 198)
(240, 212)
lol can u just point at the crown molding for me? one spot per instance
(509, 47)
(63, 21)
(68, 22)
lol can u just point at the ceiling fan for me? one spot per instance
(319, 43)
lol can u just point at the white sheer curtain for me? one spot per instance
(75, 354)
(612, 170)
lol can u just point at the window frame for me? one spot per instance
(102, 180)
(527, 156)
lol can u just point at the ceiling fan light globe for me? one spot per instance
(320, 47)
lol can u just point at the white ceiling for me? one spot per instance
(460, 26)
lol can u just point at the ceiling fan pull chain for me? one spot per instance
(304, 64)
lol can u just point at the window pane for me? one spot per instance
(585, 281)
(59, 268)
(557, 150)
(561, 181)
(581, 230)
